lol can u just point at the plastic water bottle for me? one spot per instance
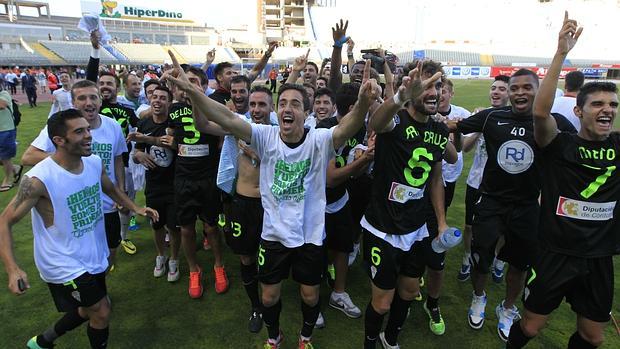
(450, 238)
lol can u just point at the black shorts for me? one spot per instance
(339, 231)
(112, 229)
(384, 262)
(84, 291)
(472, 195)
(449, 193)
(586, 283)
(423, 256)
(197, 198)
(164, 205)
(519, 225)
(245, 224)
(275, 261)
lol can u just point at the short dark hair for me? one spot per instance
(325, 92)
(503, 78)
(316, 67)
(346, 96)
(298, 88)
(200, 74)
(429, 67)
(82, 84)
(573, 81)
(165, 89)
(592, 87)
(266, 90)
(525, 72)
(219, 68)
(57, 123)
(241, 78)
(449, 83)
(152, 82)
(116, 78)
(324, 79)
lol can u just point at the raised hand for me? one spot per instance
(413, 85)
(177, 76)
(210, 56)
(95, 37)
(301, 61)
(272, 46)
(340, 33)
(569, 34)
(350, 45)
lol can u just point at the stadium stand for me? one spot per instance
(20, 56)
(195, 54)
(74, 52)
(143, 53)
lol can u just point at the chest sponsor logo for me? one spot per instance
(589, 211)
(85, 207)
(193, 150)
(515, 156)
(161, 155)
(402, 193)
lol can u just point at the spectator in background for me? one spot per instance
(52, 81)
(61, 98)
(8, 147)
(42, 79)
(29, 84)
(11, 79)
(21, 79)
(565, 104)
(273, 76)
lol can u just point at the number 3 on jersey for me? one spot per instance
(189, 128)
(417, 161)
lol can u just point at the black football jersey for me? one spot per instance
(342, 154)
(580, 193)
(511, 173)
(198, 153)
(125, 117)
(404, 158)
(159, 180)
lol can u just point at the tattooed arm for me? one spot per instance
(28, 195)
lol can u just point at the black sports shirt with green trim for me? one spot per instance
(404, 158)
(198, 153)
(125, 117)
(334, 194)
(580, 193)
(511, 173)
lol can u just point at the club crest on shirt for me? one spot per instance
(515, 156)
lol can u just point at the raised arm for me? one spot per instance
(545, 127)
(213, 110)
(350, 57)
(92, 69)
(210, 57)
(340, 37)
(298, 66)
(389, 77)
(258, 67)
(28, 195)
(411, 88)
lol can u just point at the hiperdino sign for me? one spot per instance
(112, 9)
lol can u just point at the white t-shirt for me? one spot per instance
(76, 242)
(564, 105)
(451, 172)
(292, 184)
(62, 101)
(108, 143)
(477, 167)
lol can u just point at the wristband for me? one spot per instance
(338, 43)
(397, 99)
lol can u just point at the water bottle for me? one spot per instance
(450, 238)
